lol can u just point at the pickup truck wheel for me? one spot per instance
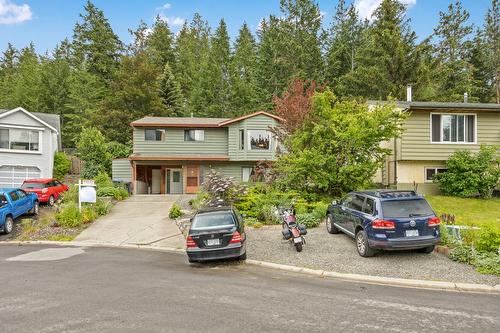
(51, 201)
(9, 225)
(330, 227)
(34, 210)
(362, 245)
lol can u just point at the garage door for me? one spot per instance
(14, 175)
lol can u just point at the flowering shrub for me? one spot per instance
(220, 190)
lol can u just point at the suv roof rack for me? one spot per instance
(392, 193)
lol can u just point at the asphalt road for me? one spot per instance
(54, 289)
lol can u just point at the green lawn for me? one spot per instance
(468, 211)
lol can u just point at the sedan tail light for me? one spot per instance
(236, 238)
(383, 224)
(190, 242)
(433, 221)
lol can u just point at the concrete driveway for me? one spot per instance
(139, 220)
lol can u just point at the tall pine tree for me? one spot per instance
(170, 92)
(492, 42)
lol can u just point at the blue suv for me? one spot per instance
(385, 219)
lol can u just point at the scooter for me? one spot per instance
(292, 231)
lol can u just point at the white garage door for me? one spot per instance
(13, 176)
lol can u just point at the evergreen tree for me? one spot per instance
(492, 41)
(343, 41)
(170, 92)
(159, 44)
(244, 87)
(478, 57)
(95, 46)
(8, 67)
(452, 70)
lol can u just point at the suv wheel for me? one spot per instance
(428, 249)
(330, 227)
(362, 245)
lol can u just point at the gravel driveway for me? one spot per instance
(338, 253)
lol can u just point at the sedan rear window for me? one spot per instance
(406, 208)
(32, 185)
(213, 220)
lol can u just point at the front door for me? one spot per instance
(176, 181)
(192, 178)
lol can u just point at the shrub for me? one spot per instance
(121, 193)
(488, 263)
(221, 190)
(93, 151)
(308, 219)
(69, 216)
(469, 174)
(108, 191)
(269, 214)
(463, 253)
(103, 180)
(88, 214)
(175, 211)
(70, 195)
(102, 207)
(90, 170)
(199, 200)
(488, 239)
(119, 150)
(62, 164)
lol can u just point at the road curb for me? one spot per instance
(380, 280)
(393, 282)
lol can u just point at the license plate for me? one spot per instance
(212, 242)
(411, 233)
(297, 240)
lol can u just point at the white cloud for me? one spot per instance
(167, 6)
(11, 13)
(173, 21)
(367, 7)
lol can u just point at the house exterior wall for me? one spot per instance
(416, 142)
(260, 122)
(43, 159)
(215, 143)
(121, 169)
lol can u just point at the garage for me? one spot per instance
(14, 175)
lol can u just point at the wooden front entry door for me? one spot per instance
(192, 178)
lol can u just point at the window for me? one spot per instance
(431, 171)
(406, 208)
(154, 134)
(453, 128)
(259, 139)
(19, 139)
(357, 203)
(242, 139)
(246, 173)
(194, 135)
(14, 196)
(369, 207)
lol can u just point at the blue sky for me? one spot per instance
(46, 22)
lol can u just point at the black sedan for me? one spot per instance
(216, 233)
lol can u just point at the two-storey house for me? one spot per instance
(433, 132)
(172, 155)
(28, 141)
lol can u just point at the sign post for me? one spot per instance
(86, 192)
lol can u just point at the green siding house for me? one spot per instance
(433, 132)
(173, 154)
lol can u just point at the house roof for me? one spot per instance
(51, 121)
(195, 122)
(443, 105)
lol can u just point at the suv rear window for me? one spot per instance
(213, 220)
(33, 185)
(406, 208)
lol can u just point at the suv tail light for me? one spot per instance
(433, 221)
(236, 238)
(190, 242)
(383, 224)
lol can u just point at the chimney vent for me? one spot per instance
(408, 93)
(466, 97)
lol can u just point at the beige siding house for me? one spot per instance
(432, 133)
(173, 155)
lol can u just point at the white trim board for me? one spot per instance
(28, 114)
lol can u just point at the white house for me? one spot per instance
(28, 141)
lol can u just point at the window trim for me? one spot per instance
(429, 168)
(441, 128)
(27, 128)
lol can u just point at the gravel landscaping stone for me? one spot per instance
(338, 253)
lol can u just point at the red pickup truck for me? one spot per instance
(48, 190)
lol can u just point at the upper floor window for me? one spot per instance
(19, 139)
(242, 139)
(453, 128)
(259, 139)
(194, 135)
(154, 134)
